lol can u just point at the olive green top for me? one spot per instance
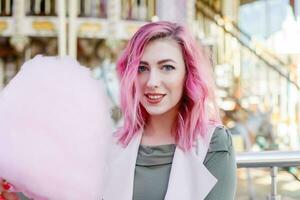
(154, 163)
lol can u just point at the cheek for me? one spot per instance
(179, 89)
(180, 81)
(141, 88)
(176, 88)
(141, 82)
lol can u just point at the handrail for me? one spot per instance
(272, 160)
(261, 57)
(268, 159)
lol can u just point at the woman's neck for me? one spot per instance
(158, 129)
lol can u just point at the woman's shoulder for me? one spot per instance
(221, 139)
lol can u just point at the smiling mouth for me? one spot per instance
(154, 98)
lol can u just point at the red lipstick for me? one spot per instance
(154, 98)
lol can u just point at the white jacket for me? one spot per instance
(189, 178)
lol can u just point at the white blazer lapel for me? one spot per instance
(119, 184)
(189, 178)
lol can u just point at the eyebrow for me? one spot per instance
(159, 62)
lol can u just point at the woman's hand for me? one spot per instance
(5, 193)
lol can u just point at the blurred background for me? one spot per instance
(254, 46)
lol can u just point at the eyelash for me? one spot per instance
(168, 67)
(142, 68)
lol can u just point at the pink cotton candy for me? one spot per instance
(55, 131)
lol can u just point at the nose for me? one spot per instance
(154, 80)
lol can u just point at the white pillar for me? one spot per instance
(230, 9)
(95, 8)
(87, 7)
(114, 10)
(292, 106)
(297, 9)
(28, 7)
(18, 39)
(7, 7)
(19, 15)
(47, 7)
(114, 17)
(298, 116)
(56, 6)
(37, 7)
(190, 15)
(283, 106)
(72, 34)
(62, 42)
(1, 74)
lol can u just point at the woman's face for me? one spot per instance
(161, 76)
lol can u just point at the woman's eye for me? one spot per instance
(142, 69)
(168, 67)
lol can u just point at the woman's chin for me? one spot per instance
(156, 111)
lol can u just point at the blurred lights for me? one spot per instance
(292, 186)
(230, 124)
(228, 26)
(219, 20)
(221, 93)
(154, 19)
(236, 71)
(253, 100)
(228, 105)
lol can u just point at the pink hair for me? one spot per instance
(198, 108)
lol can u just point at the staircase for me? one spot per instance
(247, 73)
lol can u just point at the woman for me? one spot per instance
(171, 145)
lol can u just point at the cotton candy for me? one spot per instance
(55, 131)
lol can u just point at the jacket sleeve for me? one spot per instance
(220, 161)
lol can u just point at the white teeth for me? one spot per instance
(154, 97)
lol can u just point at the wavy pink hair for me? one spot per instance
(198, 108)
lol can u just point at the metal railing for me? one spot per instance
(272, 160)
